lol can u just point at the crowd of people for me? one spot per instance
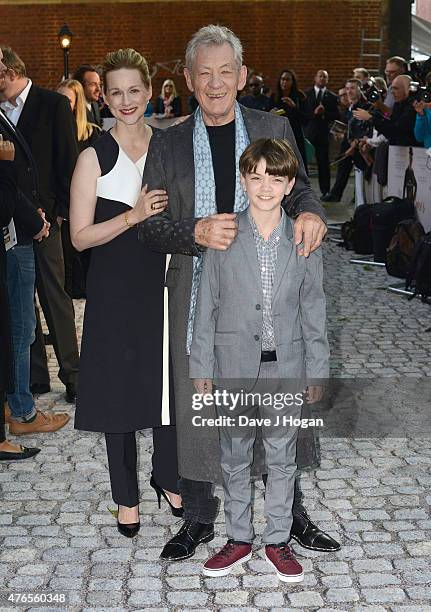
(95, 213)
(370, 113)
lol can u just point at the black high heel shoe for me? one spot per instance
(128, 529)
(160, 493)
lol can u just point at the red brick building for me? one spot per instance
(302, 34)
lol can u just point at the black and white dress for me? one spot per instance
(123, 381)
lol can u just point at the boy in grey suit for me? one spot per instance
(260, 319)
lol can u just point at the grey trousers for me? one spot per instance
(237, 441)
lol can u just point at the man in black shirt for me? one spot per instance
(222, 143)
(214, 73)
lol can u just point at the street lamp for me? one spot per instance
(65, 39)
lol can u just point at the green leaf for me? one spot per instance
(113, 512)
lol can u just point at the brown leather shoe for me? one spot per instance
(43, 423)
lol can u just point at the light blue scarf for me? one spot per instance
(205, 194)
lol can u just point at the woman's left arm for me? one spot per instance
(84, 232)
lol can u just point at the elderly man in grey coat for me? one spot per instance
(197, 162)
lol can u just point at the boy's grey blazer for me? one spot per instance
(170, 166)
(228, 324)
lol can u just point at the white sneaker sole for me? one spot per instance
(283, 577)
(225, 570)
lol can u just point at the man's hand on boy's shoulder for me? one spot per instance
(309, 229)
(216, 231)
(203, 385)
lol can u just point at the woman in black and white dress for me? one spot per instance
(124, 370)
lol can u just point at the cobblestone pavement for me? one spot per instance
(57, 535)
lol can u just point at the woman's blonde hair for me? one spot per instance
(174, 89)
(84, 128)
(126, 58)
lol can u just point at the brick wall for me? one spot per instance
(302, 34)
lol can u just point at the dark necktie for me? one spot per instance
(319, 98)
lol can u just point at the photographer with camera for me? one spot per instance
(374, 148)
(375, 93)
(399, 127)
(356, 129)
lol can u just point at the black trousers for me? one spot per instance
(122, 461)
(59, 314)
(201, 505)
(344, 167)
(321, 146)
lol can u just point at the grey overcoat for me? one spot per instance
(170, 166)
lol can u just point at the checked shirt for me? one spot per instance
(267, 258)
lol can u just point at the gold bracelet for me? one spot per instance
(126, 219)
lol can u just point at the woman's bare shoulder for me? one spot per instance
(88, 163)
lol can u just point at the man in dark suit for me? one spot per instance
(321, 109)
(214, 73)
(47, 125)
(90, 81)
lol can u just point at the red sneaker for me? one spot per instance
(282, 559)
(223, 562)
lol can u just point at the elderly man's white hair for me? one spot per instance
(213, 35)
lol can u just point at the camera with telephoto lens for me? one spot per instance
(371, 92)
(420, 93)
(423, 94)
(417, 70)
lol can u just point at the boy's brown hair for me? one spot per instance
(279, 157)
